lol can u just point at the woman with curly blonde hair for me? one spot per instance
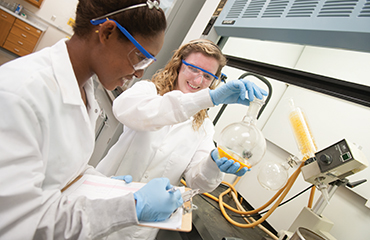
(166, 129)
(166, 79)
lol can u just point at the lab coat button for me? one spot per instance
(96, 110)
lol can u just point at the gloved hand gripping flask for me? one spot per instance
(243, 141)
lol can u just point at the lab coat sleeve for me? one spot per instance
(202, 172)
(92, 171)
(27, 210)
(142, 109)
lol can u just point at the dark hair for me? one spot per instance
(138, 21)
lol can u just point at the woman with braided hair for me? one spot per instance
(48, 124)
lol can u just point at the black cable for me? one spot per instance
(209, 202)
(264, 80)
(222, 109)
(281, 204)
(261, 213)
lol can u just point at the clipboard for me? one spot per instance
(90, 186)
(186, 224)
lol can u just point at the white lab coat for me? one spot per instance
(46, 140)
(158, 141)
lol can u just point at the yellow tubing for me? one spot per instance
(312, 194)
(240, 207)
(235, 210)
(284, 191)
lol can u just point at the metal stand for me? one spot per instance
(313, 218)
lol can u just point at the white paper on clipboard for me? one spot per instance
(98, 187)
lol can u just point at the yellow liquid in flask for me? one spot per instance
(233, 156)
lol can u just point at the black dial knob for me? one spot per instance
(325, 158)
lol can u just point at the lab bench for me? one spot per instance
(210, 224)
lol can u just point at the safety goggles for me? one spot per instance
(138, 57)
(197, 71)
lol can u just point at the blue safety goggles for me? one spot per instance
(196, 70)
(139, 60)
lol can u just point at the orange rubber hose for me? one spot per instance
(312, 194)
(285, 192)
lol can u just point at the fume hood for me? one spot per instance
(310, 51)
(329, 23)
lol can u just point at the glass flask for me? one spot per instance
(273, 176)
(242, 141)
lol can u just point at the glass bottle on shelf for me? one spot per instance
(243, 141)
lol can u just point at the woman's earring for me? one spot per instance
(97, 31)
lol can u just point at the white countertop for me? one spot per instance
(31, 21)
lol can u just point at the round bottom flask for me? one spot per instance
(243, 141)
(273, 176)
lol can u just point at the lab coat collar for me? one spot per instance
(93, 107)
(64, 74)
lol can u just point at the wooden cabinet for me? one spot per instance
(36, 3)
(22, 38)
(6, 23)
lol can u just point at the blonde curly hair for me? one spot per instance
(166, 79)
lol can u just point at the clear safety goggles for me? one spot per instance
(139, 57)
(197, 71)
(138, 60)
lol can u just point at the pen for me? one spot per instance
(172, 190)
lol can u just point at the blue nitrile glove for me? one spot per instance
(235, 91)
(154, 203)
(126, 178)
(228, 166)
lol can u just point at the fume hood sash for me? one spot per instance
(352, 92)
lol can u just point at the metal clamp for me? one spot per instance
(188, 205)
(186, 196)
